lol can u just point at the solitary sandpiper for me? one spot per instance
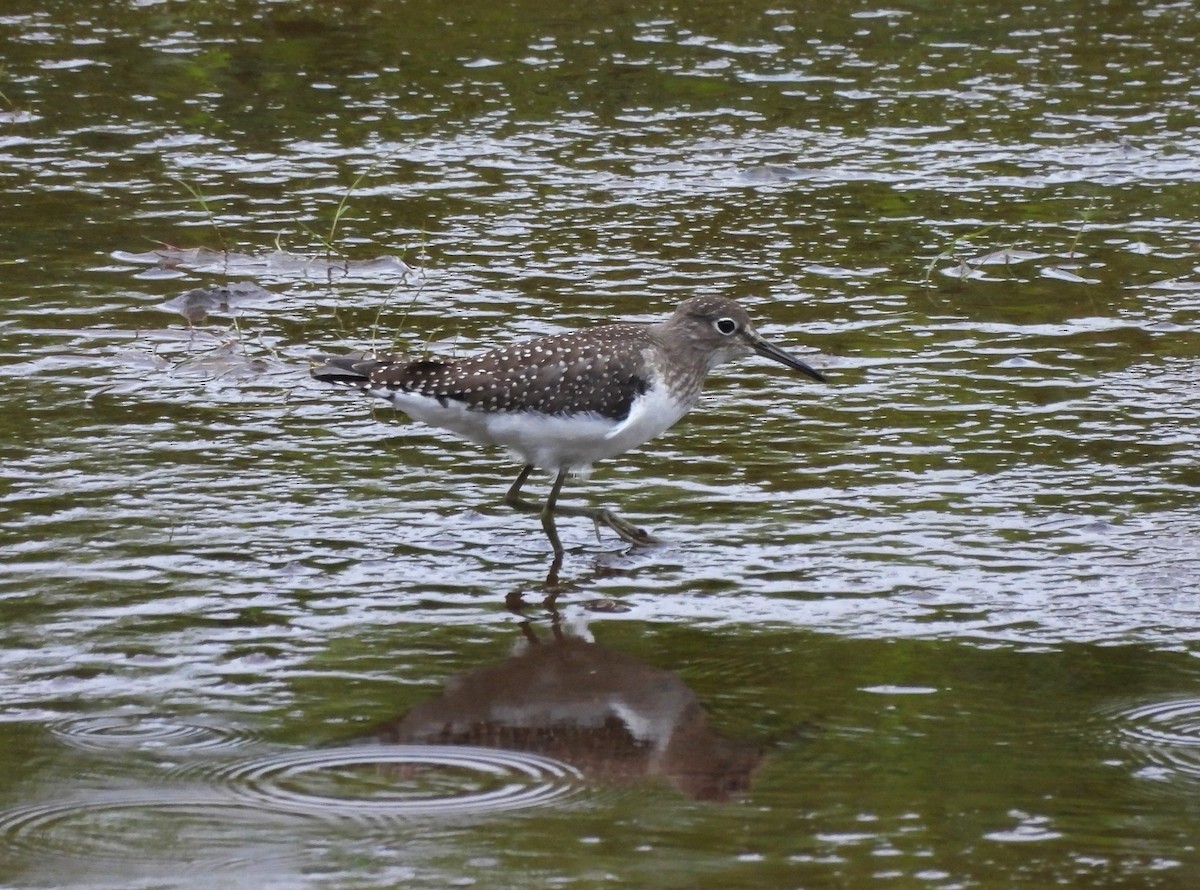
(563, 402)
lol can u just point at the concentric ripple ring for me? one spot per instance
(1167, 733)
(402, 780)
(142, 731)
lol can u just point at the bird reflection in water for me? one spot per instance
(612, 717)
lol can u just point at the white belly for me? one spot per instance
(550, 442)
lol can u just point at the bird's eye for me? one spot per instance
(725, 326)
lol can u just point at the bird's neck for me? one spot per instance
(682, 368)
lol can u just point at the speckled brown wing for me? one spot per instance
(597, 372)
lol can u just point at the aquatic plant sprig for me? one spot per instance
(423, 257)
(4, 97)
(954, 252)
(195, 192)
(329, 239)
(1085, 217)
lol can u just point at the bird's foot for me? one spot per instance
(626, 531)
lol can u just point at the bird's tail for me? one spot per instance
(347, 370)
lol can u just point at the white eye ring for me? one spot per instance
(725, 326)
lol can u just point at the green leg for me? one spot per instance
(626, 531)
(514, 500)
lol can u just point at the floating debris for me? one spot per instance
(1018, 361)
(278, 263)
(197, 304)
(18, 116)
(964, 271)
(1006, 257)
(1172, 284)
(1061, 273)
(775, 173)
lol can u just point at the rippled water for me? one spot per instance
(934, 623)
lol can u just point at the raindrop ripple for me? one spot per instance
(401, 780)
(1167, 733)
(117, 732)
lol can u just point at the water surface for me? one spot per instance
(933, 624)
